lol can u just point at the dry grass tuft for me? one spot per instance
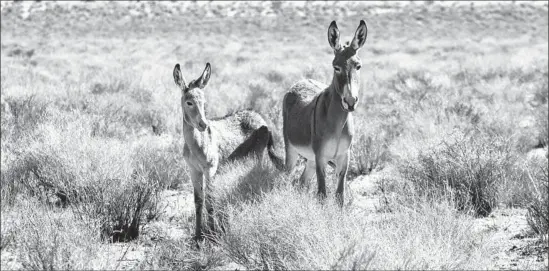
(50, 239)
(286, 229)
(470, 168)
(538, 197)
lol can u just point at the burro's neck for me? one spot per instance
(192, 136)
(335, 113)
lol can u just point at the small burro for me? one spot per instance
(211, 142)
(317, 119)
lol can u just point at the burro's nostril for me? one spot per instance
(356, 99)
(203, 125)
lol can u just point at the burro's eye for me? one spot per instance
(358, 67)
(190, 104)
(337, 69)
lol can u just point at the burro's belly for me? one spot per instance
(334, 147)
(329, 148)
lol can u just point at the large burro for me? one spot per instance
(318, 124)
(209, 143)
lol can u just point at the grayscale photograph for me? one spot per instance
(274, 135)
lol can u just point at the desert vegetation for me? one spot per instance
(448, 166)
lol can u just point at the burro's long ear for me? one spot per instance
(360, 36)
(178, 78)
(202, 81)
(333, 36)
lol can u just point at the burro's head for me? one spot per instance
(347, 64)
(192, 99)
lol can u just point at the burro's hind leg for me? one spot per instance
(342, 165)
(255, 144)
(307, 174)
(291, 156)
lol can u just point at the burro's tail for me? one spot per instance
(277, 161)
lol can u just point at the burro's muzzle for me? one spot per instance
(202, 125)
(349, 103)
(349, 99)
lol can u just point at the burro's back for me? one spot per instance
(318, 122)
(211, 142)
(233, 129)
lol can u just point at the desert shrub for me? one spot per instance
(7, 185)
(161, 158)
(111, 86)
(516, 190)
(396, 192)
(276, 232)
(122, 209)
(21, 114)
(245, 180)
(542, 124)
(316, 73)
(236, 183)
(268, 224)
(124, 104)
(415, 87)
(538, 199)
(370, 150)
(183, 255)
(5, 118)
(528, 187)
(523, 91)
(62, 155)
(541, 107)
(461, 111)
(266, 101)
(287, 229)
(97, 176)
(430, 235)
(128, 81)
(113, 118)
(48, 239)
(469, 167)
(274, 76)
(7, 227)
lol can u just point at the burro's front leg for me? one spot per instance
(197, 179)
(342, 165)
(321, 163)
(209, 198)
